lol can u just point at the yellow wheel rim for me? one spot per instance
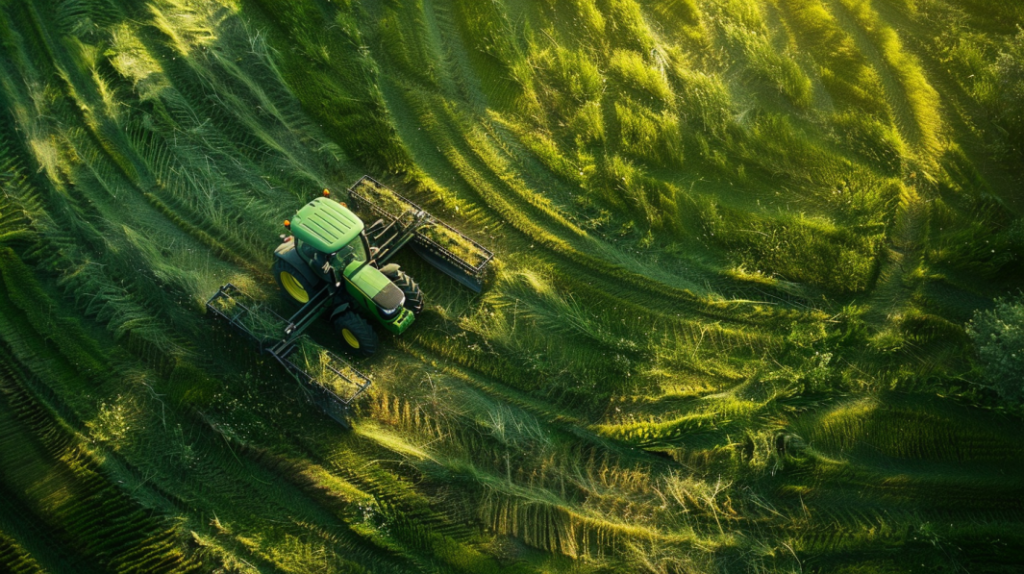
(293, 287)
(350, 338)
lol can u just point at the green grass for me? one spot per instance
(736, 246)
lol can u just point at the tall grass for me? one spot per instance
(879, 143)
(702, 96)
(634, 72)
(625, 185)
(648, 136)
(844, 70)
(628, 27)
(498, 36)
(921, 97)
(572, 72)
(512, 213)
(686, 10)
(744, 27)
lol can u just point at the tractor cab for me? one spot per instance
(329, 238)
(325, 230)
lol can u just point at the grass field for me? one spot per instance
(737, 247)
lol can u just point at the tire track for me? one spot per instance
(908, 119)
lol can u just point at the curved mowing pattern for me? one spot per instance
(736, 244)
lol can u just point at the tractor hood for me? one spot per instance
(372, 283)
(326, 225)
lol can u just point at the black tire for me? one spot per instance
(295, 288)
(356, 334)
(413, 294)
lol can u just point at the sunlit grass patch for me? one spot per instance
(844, 70)
(635, 73)
(132, 60)
(922, 98)
(625, 185)
(573, 73)
(628, 26)
(588, 124)
(649, 136)
(879, 142)
(686, 10)
(799, 248)
(768, 64)
(703, 96)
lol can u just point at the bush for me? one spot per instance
(998, 336)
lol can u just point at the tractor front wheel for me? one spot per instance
(294, 286)
(413, 294)
(356, 333)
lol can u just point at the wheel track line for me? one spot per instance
(904, 254)
(897, 93)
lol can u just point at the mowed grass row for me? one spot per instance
(559, 483)
(52, 474)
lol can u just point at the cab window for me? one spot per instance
(305, 250)
(354, 250)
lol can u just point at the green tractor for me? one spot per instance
(334, 265)
(329, 249)
(332, 259)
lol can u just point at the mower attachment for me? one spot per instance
(333, 383)
(401, 221)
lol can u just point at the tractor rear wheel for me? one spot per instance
(413, 294)
(295, 288)
(356, 333)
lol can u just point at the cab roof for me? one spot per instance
(326, 225)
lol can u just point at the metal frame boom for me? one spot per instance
(283, 349)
